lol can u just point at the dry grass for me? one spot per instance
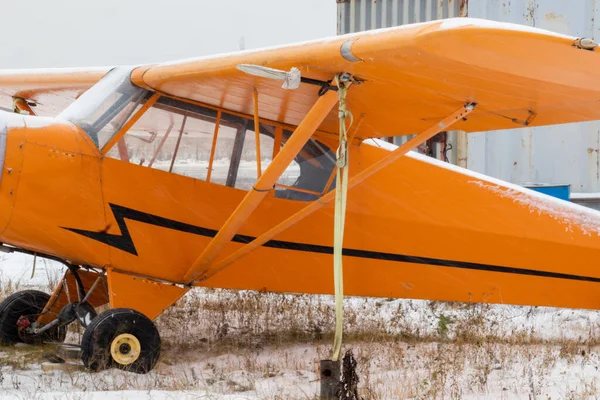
(452, 350)
(220, 319)
(267, 345)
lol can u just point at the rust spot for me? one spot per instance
(515, 163)
(530, 15)
(463, 10)
(550, 16)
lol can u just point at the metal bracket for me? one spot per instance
(585, 44)
(23, 106)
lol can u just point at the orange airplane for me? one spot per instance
(222, 172)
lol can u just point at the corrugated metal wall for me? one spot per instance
(360, 15)
(557, 154)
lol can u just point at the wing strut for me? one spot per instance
(355, 180)
(310, 123)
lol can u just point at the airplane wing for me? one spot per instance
(413, 75)
(52, 90)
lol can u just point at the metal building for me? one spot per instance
(562, 154)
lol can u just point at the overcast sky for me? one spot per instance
(61, 33)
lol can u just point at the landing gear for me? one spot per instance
(123, 338)
(18, 315)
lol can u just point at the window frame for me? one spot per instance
(82, 111)
(186, 107)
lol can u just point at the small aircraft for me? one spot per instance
(223, 172)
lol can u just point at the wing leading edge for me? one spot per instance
(412, 74)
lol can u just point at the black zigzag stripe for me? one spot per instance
(125, 243)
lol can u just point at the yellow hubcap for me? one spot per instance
(125, 349)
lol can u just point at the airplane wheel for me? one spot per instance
(27, 304)
(123, 338)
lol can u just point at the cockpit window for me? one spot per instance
(189, 139)
(104, 109)
(316, 164)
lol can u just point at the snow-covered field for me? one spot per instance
(244, 345)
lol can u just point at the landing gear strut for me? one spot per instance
(121, 337)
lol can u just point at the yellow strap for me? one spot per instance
(341, 190)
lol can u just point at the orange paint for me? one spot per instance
(414, 229)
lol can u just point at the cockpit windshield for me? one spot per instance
(104, 108)
(201, 142)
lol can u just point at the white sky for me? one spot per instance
(62, 33)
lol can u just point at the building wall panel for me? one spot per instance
(563, 154)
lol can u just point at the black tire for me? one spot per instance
(112, 325)
(25, 303)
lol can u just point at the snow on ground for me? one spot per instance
(221, 344)
(18, 268)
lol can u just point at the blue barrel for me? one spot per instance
(562, 192)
